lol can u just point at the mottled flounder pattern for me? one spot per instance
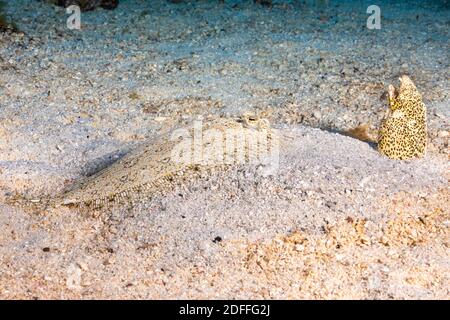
(403, 133)
(151, 168)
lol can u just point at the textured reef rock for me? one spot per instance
(4, 25)
(86, 5)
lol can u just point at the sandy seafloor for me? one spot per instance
(337, 221)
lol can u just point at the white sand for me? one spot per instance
(72, 102)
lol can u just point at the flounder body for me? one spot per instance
(164, 161)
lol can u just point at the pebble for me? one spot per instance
(83, 265)
(317, 115)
